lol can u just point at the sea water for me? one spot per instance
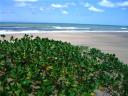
(9, 26)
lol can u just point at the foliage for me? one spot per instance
(43, 67)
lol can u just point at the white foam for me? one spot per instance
(123, 28)
(88, 28)
(39, 31)
(70, 28)
(59, 27)
(18, 32)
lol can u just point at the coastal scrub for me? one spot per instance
(43, 67)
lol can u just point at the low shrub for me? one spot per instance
(43, 67)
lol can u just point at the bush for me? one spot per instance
(43, 67)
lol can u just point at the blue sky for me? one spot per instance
(111, 12)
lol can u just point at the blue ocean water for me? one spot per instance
(59, 27)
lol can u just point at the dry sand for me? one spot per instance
(108, 42)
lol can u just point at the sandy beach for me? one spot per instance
(112, 42)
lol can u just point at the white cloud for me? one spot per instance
(22, 4)
(70, 4)
(94, 9)
(65, 5)
(25, 0)
(64, 12)
(41, 9)
(123, 4)
(87, 4)
(106, 3)
(59, 5)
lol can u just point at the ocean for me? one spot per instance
(8, 26)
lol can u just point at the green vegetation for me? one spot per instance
(42, 67)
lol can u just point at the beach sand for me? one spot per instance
(111, 42)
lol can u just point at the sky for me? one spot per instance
(108, 12)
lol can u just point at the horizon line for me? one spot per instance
(61, 23)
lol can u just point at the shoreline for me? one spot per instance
(64, 31)
(110, 42)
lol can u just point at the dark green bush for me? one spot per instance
(43, 67)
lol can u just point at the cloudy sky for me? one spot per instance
(112, 12)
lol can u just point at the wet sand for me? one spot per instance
(114, 42)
